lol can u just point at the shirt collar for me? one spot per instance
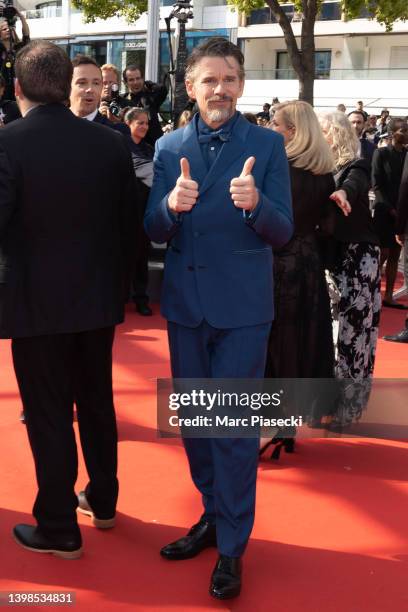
(91, 116)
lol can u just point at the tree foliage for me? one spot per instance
(104, 9)
(386, 12)
(302, 53)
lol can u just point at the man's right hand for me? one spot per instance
(185, 194)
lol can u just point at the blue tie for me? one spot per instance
(205, 136)
(211, 141)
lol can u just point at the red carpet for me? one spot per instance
(331, 530)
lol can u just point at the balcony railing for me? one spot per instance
(373, 74)
(48, 12)
(329, 11)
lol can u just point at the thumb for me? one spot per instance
(247, 169)
(185, 168)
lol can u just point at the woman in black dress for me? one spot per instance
(301, 341)
(142, 156)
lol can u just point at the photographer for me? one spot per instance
(111, 102)
(147, 95)
(10, 45)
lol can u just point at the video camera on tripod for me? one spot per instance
(8, 12)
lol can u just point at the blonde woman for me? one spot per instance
(301, 341)
(356, 269)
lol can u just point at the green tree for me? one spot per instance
(103, 9)
(302, 55)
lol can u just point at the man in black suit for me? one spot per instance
(66, 235)
(387, 166)
(402, 239)
(358, 122)
(86, 91)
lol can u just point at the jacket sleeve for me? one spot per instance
(402, 208)
(160, 224)
(356, 181)
(272, 218)
(130, 215)
(378, 179)
(8, 192)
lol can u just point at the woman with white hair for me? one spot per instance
(356, 270)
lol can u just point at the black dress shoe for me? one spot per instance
(144, 309)
(31, 538)
(402, 336)
(85, 508)
(226, 578)
(201, 536)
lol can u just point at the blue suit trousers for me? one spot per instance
(223, 469)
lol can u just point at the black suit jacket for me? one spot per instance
(402, 210)
(67, 221)
(386, 179)
(119, 127)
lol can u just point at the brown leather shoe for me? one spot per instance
(85, 508)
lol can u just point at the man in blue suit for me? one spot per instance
(221, 198)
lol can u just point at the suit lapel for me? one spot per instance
(190, 149)
(230, 152)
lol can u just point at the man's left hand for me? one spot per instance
(243, 191)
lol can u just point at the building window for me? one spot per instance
(284, 69)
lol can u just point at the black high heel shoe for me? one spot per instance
(287, 443)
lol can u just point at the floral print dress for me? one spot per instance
(357, 311)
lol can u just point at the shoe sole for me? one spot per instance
(98, 523)
(187, 556)
(69, 555)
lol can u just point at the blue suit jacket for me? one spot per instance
(219, 262)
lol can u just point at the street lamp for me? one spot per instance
(182, 11)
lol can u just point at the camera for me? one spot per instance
(8, 12)
(114, 106)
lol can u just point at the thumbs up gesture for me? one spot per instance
(185, 194)
(243, 191)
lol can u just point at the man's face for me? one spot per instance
(400, 136)
(357, 122)
(360, 105)
(86, 89)
(109, 78)
(134, 81)
(4, 31)
(216, 86)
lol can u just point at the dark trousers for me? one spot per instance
(140, 278)
(223, 469)
(53, 372)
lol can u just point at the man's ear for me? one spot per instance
(190, 89)
(17, 90)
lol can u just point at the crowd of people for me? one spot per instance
(270, 240)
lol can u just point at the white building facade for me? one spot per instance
(355, 60)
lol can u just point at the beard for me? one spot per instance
(219, 115)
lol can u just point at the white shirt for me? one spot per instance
(91, 116)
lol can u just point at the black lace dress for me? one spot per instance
(301, 340)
